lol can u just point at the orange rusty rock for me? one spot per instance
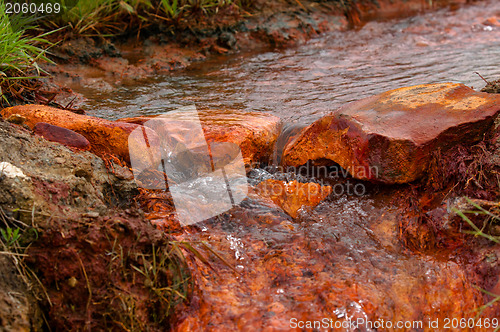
(492, 21)
(292, 196)
(61, 135)
(254, 132)
(105, 136)
(389, 137)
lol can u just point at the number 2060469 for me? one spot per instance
(32, 8)
(463, 323)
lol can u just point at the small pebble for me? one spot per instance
(16, 119)
(11, 171)
(91, 214)
(72, 282)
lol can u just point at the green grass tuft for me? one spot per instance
(490, 217)
(113, 17)
(19, 55)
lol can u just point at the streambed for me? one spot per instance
(345, 260)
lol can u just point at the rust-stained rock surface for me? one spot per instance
(254, 132)
(61, 135)
(292, 196)
(52, 179)
(389, 137)
(105, 136)
(344, 261)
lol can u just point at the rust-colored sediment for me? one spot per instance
(292, 196)
(343, 261)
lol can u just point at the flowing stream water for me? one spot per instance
(301, 84)
(344, 260)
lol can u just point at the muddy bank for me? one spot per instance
(90, 248)
(19, 310)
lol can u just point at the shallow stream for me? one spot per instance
(301, 84)
(344, 260)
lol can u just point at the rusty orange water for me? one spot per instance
(301, 84)
(343, 261)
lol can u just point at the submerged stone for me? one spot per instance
(292, 196)
(254, 132)
(390, 137)
(106, 137)
(61, 135)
